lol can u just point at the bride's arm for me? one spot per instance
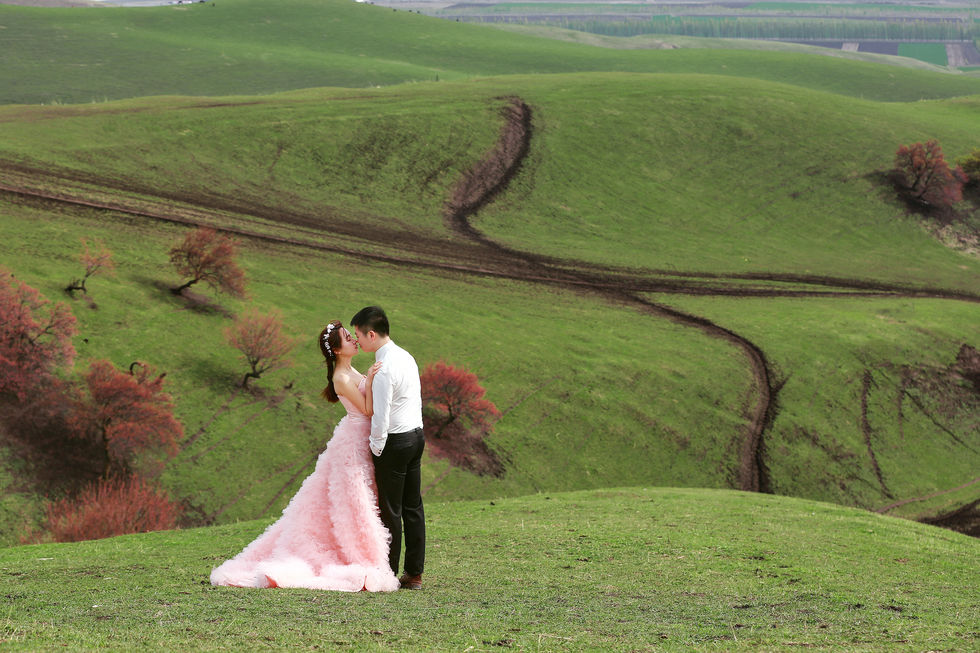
(346, 387)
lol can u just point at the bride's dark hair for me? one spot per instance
(329, 341)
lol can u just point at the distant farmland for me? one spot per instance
(959, 54)
(945, 35)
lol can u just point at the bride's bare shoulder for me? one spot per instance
(342, 378)
(347, 378)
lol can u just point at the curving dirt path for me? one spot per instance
(384, 241)
(492, 174)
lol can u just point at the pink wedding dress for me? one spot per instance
(330, 536)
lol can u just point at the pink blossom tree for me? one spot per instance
(261, 341)
(35, 337)
(95, 258)
(209, 256)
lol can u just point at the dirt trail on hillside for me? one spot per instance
(492, 174)
(370, 236)
(903, 502)
(867, 380)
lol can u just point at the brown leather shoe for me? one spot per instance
(411, 582)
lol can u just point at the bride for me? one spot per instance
(330, 536)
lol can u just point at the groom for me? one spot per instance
(396, 442)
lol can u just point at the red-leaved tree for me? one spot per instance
(35, 337)
(457, 418)
(95, 258)
(129, 417)
(209, 256)
(923, 172)
(261, 341)
(108, 507)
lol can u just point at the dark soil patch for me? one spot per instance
(967, 365)
(965, 519)
(949, 396)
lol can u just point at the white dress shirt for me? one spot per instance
(397, 395)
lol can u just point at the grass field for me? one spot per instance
(931, 52)
(711, 157)
(708, 156)
(816, 438)
(622, 569)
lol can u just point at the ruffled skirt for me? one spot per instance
(330, 536)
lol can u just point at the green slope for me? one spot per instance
(251, 46)
(670, 172)
(616, 570)
(730, 176)
(572, 419)
(846, 363)
(593, 393)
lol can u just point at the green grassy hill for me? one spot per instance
(619, 570)
(726, 176)
(744, 188)
(711, 174)
(245, 455)
(256, 47)
(712, 180)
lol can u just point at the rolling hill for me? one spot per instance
(697, 274)
(318, 168)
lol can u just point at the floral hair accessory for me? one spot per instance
(326, 338)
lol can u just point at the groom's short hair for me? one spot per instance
(371, 318)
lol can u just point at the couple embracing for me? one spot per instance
(343, 529)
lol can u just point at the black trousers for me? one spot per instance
(398, 474)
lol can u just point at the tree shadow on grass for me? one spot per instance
(221, 379)
(957, 227)
(84, 297)
(188, 300)
(213, 375)
(37, 433)
(892, 189)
